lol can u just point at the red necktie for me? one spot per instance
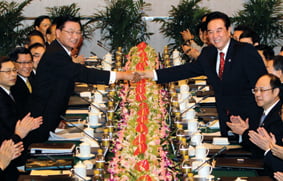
(221, 65)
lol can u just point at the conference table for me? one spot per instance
(230, 165)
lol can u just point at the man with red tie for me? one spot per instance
(232, 75)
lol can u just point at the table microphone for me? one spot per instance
(65, 120)
(211, 158)
(99, 43)
(89, 102)
(196, 103)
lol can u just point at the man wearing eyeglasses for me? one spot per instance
(11, 127)
(57, 73)
(266, 93)
(23, 88)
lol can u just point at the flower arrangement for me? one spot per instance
(139, 153)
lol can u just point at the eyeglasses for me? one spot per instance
(260, 90)
(9, 71)
(73, 32)
(24, 63)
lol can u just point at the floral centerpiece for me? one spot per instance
(139, 153)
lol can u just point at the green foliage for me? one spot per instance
(186, 15)
(11, 28)
(121, 23)
(56, 11)
(265, 18)
(71, 10)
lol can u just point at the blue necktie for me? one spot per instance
(262, 119)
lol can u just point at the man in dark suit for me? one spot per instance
(275, 67)
(266, 94)
(11, 127)
(23, 88)
(232, 77)
(56, 76)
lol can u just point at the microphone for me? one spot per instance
(203, 98)
(99, 43)
(108, 96)
(89, 102)
(65, 120)
(211, 158)
(218, 153)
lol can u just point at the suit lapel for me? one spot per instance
(271, 117)
(7, 97)
(228, 58)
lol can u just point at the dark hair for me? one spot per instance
(61, 21)
(35, 33)
(35, 45)
(268, 51)
(39, 19)
(48, 31)
(242, 28)
(218, 15)
(278, 63)
(201, 26)
(4, 59)
(14, 55)
(274, 81)
(281, 49)
(249, 33)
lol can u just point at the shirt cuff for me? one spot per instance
(265, 153)
(155, 78)
(112, 78)
(240, 138)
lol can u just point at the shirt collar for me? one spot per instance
(68, 52)
(6, 90)
(23, 78)
(225, 49)
(266, 112)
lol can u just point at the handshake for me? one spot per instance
(135, 76)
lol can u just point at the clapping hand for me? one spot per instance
(261, 138)
(278, 176)
(27, 124)
(238, 125)
(276, 149)
(9, 151)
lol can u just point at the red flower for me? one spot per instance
(141, 128)
(140, 66)
(143, 105)
(142, 165)
(140, 149)
(140, 139)
(140, 97)
(141, 45)
(144, 178)
(143, 112)
(140, 89)
(142, 119)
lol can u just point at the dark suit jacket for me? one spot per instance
(8, 119)
(272, 164)
(243, 66)
(54, 84)
(272, 123)
(22, 96)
